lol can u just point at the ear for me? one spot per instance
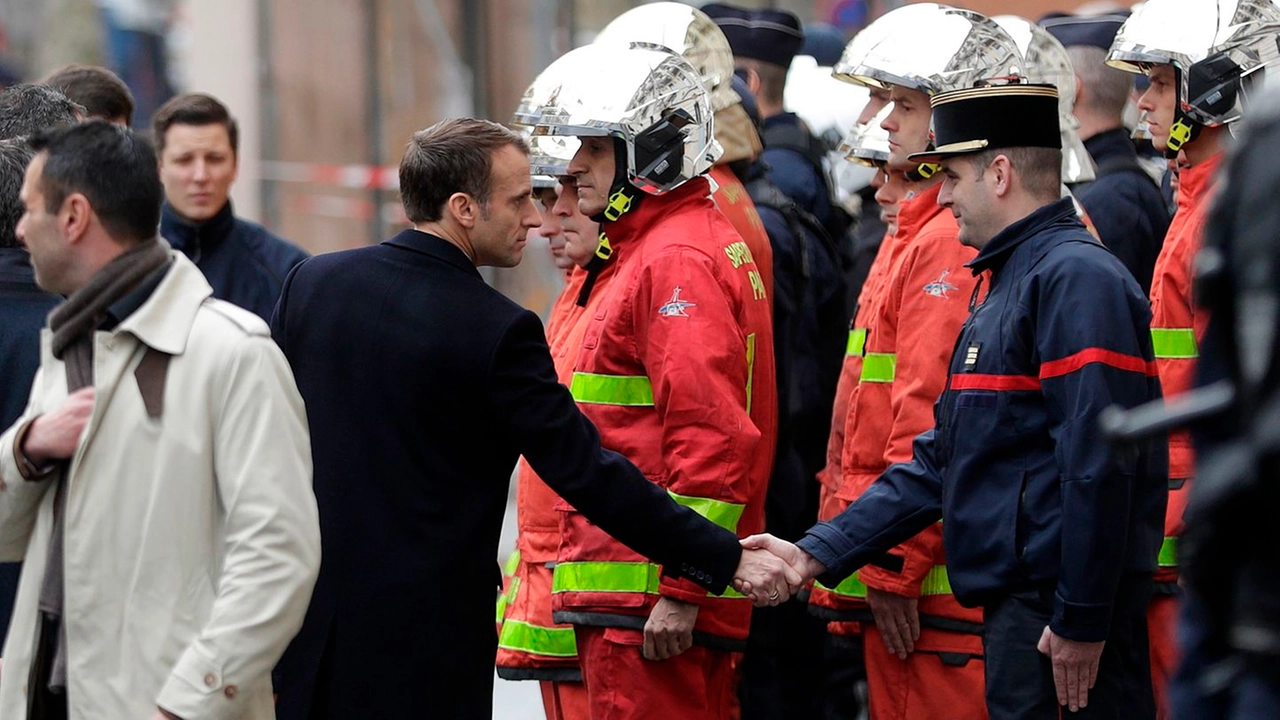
(463, 209)
(1080, 93)
(1001, 174)
(753, 81)
(75, 217)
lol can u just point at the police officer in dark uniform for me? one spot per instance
(764, 42)
(1050, 532)
(1124, 203)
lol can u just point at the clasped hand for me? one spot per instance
(772, 570)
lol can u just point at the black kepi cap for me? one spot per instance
(1092, 30)
(770, 36)
(988, 118)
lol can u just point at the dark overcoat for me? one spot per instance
(423, 385)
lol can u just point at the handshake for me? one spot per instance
(772, 570)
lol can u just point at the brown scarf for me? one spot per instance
(73, 323)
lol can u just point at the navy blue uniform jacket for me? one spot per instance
(1125, 205)
(1028, 489)
(423, 386)
(25, 307)
(244, 262)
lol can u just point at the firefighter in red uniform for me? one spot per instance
(1195, 54)
(688, 32)
(923, 651)
(531, 645)
(675, 369)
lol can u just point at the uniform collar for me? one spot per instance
(1006, 241)
(915, 212)
(1109, 144)
(433, 246)
(647, 212)
(193, 238)
(15, 267)
(1195, 183)
(164, 319)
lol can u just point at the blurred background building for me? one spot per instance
(328, 91)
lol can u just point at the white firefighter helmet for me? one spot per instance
(549, 155)
(644, 95)
(1218, 47)
(935, 48)
(689, 33)
(867, 143)
(1045, 60)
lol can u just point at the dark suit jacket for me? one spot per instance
(423, 385)
(24, 307)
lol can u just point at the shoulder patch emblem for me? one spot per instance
(675, 307)
(940, 287)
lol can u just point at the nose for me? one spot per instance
(565, 204)
(1145, 101)
(578, 165)
(201, 171)
(890, 122)
(532, 218)
(944, 193)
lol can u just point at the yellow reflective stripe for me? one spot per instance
(551, 641)
(857, 341)
(724, 514)
(936, 582)
(849, 587)
(751, 369)
(605, 577)
(879, 367)
(626, 390)
(513, 562)
(506, 598)
(1174, 343)
(1169, 552)
(615, 577)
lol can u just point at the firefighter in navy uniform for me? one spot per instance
(1054, 535)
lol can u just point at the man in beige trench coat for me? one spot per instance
(158, 486)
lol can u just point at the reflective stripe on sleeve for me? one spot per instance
(1169, 552)
(851, 587)
(857, 341)
(1174, 343)
(879, 367)
(724, 514)
(550, 641)
(626, 390)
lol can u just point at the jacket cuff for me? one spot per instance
(828, 546)
(197, 690)
(683, 590)
(1079, 622)
(905, 583)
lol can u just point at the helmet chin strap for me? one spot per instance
(623, 197)
(1182, 131)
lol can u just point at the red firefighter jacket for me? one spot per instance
(676, 370)
(731, 197)
(1177, 329)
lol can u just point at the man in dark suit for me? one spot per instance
(423, 386)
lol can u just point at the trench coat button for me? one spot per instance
(210, 679)
(230, 692)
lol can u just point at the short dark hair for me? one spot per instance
(1106, 88)
(1039, 167)
(194, 109)
(15, 155)
(114, 167)
(449, 157)
(26, 109)
(102, 93)
(773, 79)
